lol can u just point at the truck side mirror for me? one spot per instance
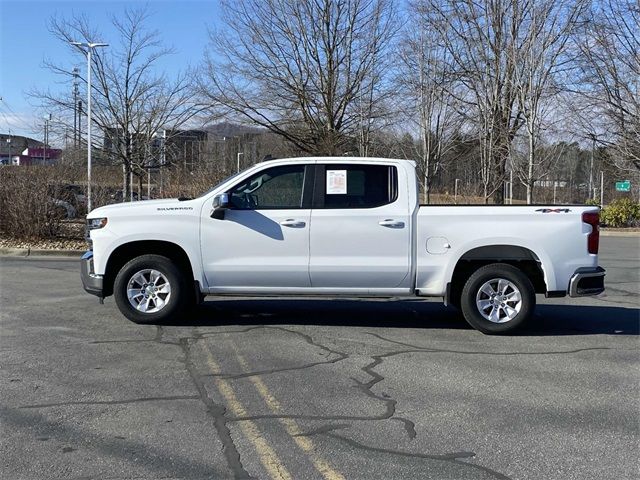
(220, 205)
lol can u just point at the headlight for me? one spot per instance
(96, 223)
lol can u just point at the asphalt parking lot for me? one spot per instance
(330, 389)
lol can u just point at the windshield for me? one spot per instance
(220, 183)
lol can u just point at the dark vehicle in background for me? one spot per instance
(69, 199)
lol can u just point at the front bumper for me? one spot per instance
(587, 281)
(91, 282)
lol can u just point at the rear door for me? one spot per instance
(360, 227)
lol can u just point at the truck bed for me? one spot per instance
(553, 235)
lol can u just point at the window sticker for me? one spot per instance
(336, 182)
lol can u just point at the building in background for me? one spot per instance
(20, 151)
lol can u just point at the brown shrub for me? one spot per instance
(184, 183)
(27, 207)
(28, 194)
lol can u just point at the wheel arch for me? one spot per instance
(130, 250)
(519, 256)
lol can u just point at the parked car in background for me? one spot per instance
(69, 199)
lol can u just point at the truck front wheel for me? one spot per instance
(497, 298)
(150, 289)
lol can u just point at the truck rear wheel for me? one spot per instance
(150, 289)
(497, 298)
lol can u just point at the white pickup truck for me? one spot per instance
(339, 227)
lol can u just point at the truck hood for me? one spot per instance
(148, 207)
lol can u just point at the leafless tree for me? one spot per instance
(425, 79)
(132, 103)
(308, 70)
(541, 59)
(609, 77)
(481, 38)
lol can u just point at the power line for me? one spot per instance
(11, 117)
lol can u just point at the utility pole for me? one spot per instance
(79, 123)
(46, 138)
(601, 188)
(593, 149)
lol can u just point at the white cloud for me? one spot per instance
(18, 124)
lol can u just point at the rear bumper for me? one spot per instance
(587, 281)
(91, 282)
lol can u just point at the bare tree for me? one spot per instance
(308, 70)
(131, 102)
(481, 38)
(609, 76)
(540, 59)
(425, 79)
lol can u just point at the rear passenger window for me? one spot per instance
(357, 186)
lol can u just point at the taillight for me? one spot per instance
(593, 219)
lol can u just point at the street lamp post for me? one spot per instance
(88, 47)
(76, 114)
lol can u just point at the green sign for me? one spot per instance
(623, 186)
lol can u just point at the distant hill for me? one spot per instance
(17, 144)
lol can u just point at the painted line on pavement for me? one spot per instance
(267, 455)
(292, 428)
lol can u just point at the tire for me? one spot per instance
(158, 288)
(498, 298)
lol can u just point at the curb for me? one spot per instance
(608, 233)
(34, 252)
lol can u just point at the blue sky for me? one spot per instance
(25, 41)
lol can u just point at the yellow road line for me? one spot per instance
(292, 428)
(267, 455)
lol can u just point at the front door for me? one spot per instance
(360, 228)
(263, 242)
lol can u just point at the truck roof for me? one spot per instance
(334, 159)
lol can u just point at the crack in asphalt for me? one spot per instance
(217, 412)
(323, 429)
(307, 338)
(453, 457)
(147, 340)
(409, 426)
(228, 376)
(112, 402)
(418, 348)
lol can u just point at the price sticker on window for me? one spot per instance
(336, 182)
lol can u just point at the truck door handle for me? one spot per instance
(293, 223)
(391, 223)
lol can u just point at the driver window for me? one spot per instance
(277, 187)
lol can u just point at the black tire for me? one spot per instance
(506, 314)
(177, 302)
